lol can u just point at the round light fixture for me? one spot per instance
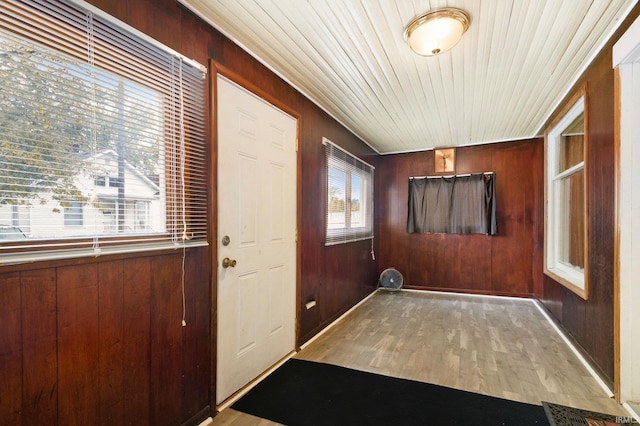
(437, 31)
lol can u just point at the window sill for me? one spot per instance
(55, 258)
(570, 278)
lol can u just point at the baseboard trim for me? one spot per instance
(470, 292)
(530, 298)
(335, 322)
(197, 419)
(573, 348)
(240, 393)
(206, 421)
(634, 413)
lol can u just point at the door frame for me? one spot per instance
(216, 68)
(626, 57)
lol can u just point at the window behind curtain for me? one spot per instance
(349, 197)
(101, 136)
(452, 205)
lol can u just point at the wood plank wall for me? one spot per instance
(100, 341)
(499, 265)
(590, 322)
(461, 263)
(73, 335)
(336, 277)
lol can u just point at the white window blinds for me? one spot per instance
(349, 196)
(102, 145)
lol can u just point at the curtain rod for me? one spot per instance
(441, 176)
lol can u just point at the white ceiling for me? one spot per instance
(501, 82)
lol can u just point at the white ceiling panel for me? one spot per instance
(500, 82)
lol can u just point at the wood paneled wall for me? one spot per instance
(591, 322)
(503, 264)
(100, 341)
(512, 263)
(336, 277)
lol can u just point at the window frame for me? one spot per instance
(183, 145)
(556, 210)
(338, 158)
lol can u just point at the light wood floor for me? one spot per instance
(495, 346)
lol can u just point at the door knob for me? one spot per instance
(226, 262)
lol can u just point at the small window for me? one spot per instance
(73, 215)
(142, 215)
(114, 182)
(349, 197)
(565, 231)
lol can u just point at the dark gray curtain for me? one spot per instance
(452, 205)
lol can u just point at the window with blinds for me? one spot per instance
(102, 144)
(349, 197)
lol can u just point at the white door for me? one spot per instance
(257, 230)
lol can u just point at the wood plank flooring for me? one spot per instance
(502, 347)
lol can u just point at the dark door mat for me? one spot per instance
(312, 393)
(561, 415)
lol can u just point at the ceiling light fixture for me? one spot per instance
(437, 31)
